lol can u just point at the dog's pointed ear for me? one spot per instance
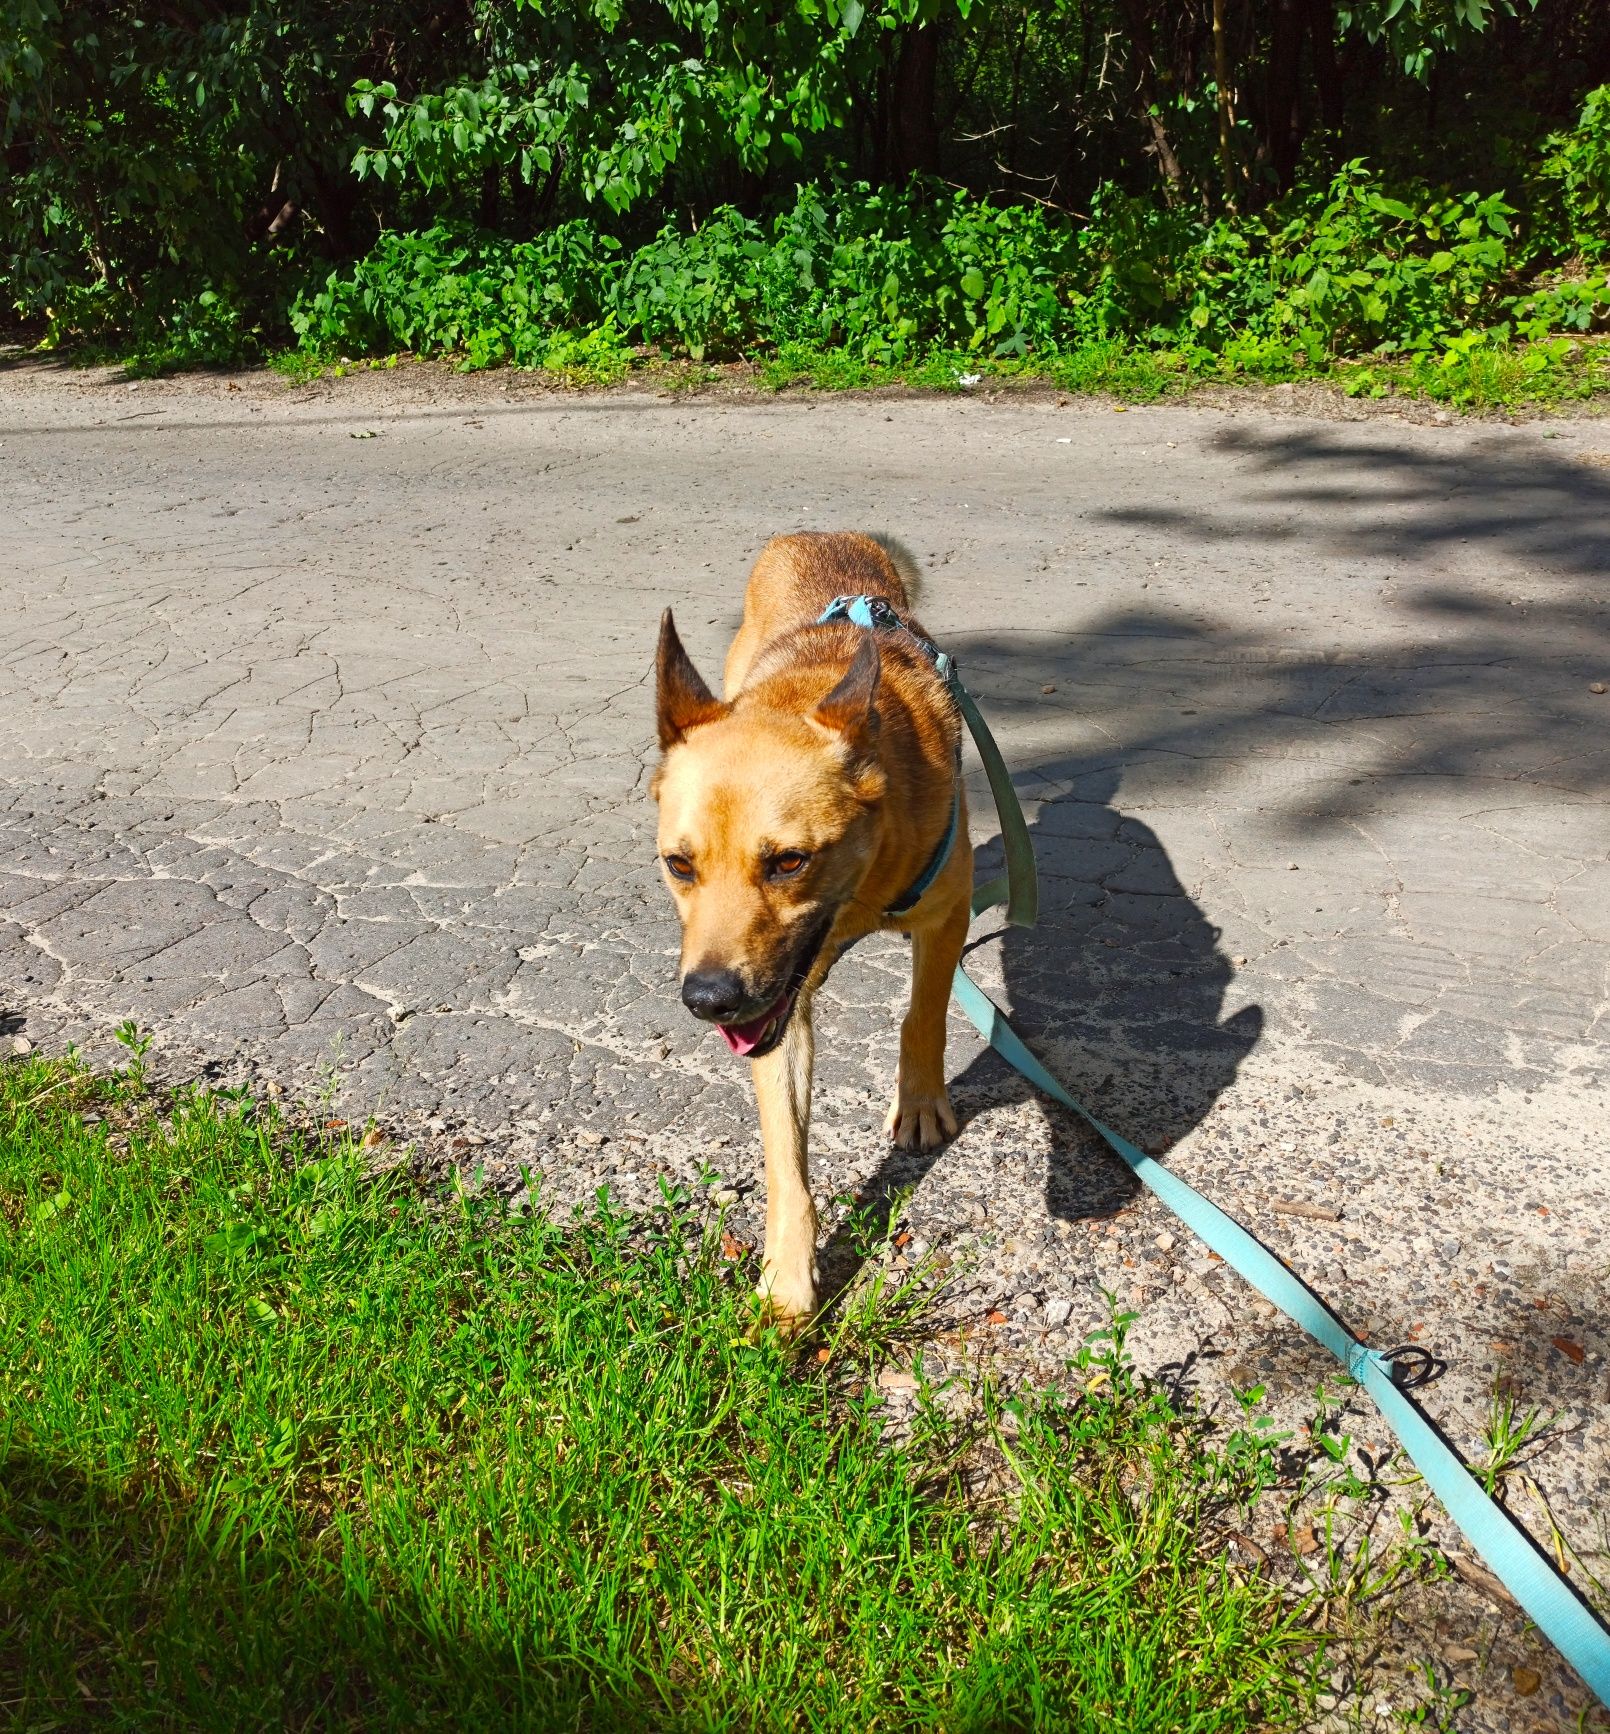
(851, 708)
(682, 701)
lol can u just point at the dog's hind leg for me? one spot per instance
(921, 1113)
(783, 1095)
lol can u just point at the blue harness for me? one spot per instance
(877, 615)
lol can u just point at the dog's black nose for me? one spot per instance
(713, 994)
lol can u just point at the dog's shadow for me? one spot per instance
(1120, 988)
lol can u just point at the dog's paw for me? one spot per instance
(924, 1122)
(784, 1306)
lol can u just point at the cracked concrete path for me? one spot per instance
(331, 750)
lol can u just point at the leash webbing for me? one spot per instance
(1547, 1599)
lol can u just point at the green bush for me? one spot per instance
(1346, 268)
(884, 276)
(1577, 165)
(441, 291)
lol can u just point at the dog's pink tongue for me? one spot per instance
(745, 1038)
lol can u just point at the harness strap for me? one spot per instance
(877, 614)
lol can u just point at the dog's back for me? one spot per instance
(797, 576)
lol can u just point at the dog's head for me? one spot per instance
(767, 827)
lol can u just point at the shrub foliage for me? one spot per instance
(1247, 180)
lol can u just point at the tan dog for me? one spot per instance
(795, 815)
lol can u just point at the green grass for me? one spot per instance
(1558, 374)
(285, 1441)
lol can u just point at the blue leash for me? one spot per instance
(1547, 1599)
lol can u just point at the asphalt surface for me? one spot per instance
(325, 755)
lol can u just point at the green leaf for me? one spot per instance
(56, 1206)
(972, 283)
(234, 1237)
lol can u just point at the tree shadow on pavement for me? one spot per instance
(1461, 626)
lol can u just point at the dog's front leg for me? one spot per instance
(921, 1113)
(783, 1095)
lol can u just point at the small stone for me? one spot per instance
(1597, 686)
(586, 1136)
(21, 1045)
(435, 1124)
(1525, 1681)
(1291, 866)
(1239, 962)
(1164, 1242)
(372, 1139)
(726, 1195)
(896, 1379)
(1057, 1310)
(1048, 687)
(1456, 1655)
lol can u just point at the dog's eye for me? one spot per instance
(680, 867)
(788, 863)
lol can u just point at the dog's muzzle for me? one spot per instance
(717, 996)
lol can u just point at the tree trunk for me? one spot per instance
(1139, 21)
(913, 127)
(1327, 74)
(1281, 120)
(1221, 79)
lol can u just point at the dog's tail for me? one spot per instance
(905, 565)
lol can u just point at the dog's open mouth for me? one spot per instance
(753, 1040)
(760, 1035)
